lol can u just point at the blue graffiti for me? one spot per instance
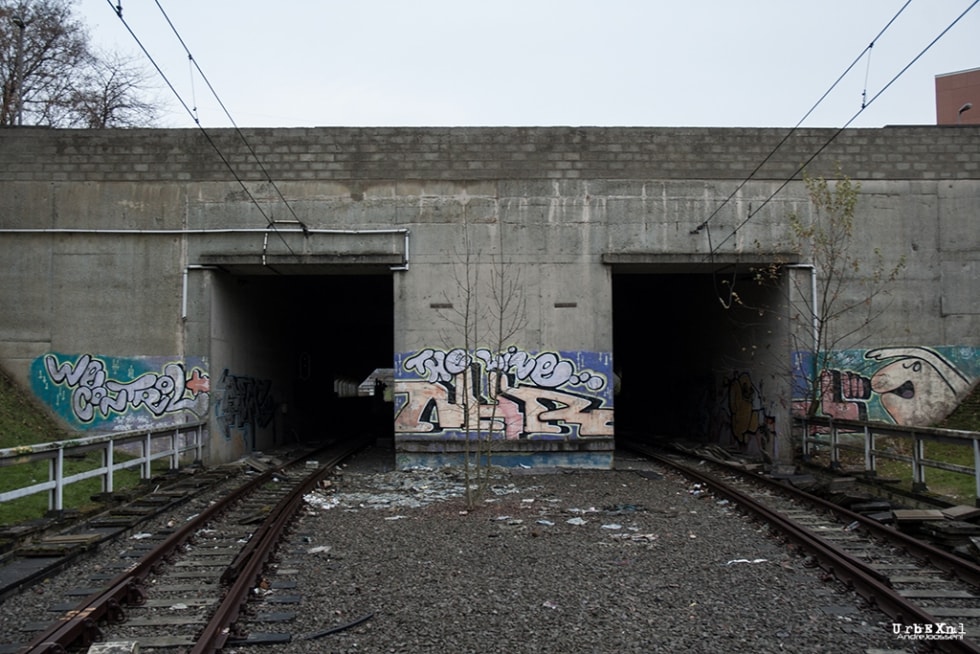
(244, 403)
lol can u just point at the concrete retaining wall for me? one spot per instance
(133, 245)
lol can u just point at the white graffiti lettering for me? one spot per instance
(527, 403)
(438, 366)
(94, 394)
(85, 371)
(546, 369)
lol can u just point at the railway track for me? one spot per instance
(201, 586)
(187, 585)
(37, 554)
(931, 595)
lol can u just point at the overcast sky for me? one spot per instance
(725, 63)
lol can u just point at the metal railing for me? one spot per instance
(830, 431)
(140, 450)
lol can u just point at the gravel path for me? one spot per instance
(626, 561)
(633, 560)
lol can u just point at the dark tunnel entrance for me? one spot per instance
(664, 355)
(308, 357)
(343, 354)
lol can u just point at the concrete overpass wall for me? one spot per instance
(125, 253)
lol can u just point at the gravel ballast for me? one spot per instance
(632, 560)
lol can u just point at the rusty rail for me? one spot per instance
(862, 579)
(961, 568)
(247, 568)
(80, 626)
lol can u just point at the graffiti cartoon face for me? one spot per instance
(919, 387)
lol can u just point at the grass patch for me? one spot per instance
(77, 496)
(957, 487)
(23, 422)
(954, 486)
(966, 416)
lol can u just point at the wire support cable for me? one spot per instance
(837, 132)
(270, 222)
(227, 113)
(795, 127)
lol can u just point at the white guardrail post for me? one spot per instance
(918, 469)
(918, 436)
(870, 461)
(182, 438)
(58, 502)
(148, 456)
(174, 450)
(108, 483)
(834, 451)
(976, 471)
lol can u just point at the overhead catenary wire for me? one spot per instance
(227, 113)
(835, 134)
(795, 127)
(706, 224)
(270, 222)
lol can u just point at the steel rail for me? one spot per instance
(247, 568)
(870, 585)
(963, 569)
(80, 625)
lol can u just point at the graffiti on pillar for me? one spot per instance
(513, 394)
(746, 421)
(908, 385)
(242, 404)
(121, 394)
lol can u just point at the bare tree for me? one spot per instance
(486, 314)
(506, 313)
(113, 93)
(51, 77)
(840, 301)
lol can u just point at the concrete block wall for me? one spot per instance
(369, 155)
(565, 208)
